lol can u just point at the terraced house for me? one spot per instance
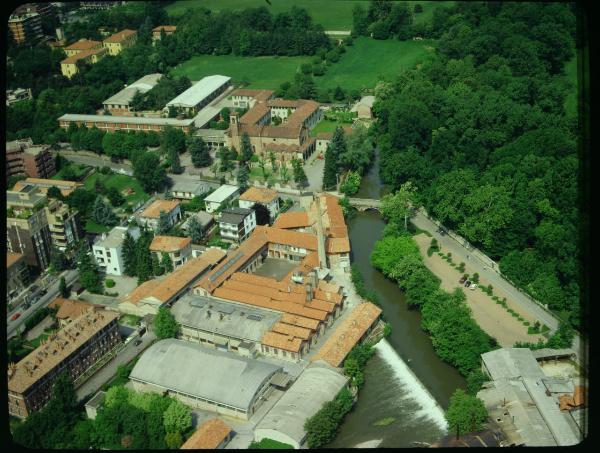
(80, 52)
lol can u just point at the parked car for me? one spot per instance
(137, 342)
(473, 286)
(462, 280)
(467, 283)
(15, 316)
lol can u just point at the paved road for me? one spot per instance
(12, 326)
(93, 384)
(460, 253)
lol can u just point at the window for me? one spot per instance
(108, 254)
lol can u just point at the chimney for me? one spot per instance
(309, 292)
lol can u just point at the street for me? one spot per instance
(459, 252)
(93, 384)
(13, 326)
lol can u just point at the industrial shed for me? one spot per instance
(205, 378)
(318, 384)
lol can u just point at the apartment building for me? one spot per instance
(236, 224)
(64, 224)
(108, 251)
(18, 95)
(17, 275)
(22, 158)
(121, 40)
(27, 230)
(73, 349)
(26, 28)
(178, 249)
(224, 194)
(42, 185)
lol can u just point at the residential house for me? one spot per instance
(204, 219)
(184, 190)
(108, 249)
(224, 194)
(18, 95)
(267, 197)
(151, 215)
(69, 310)
(236, 224)
(178, 249)
(166, 29)
(122, 40)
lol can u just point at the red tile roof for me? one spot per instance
(208, 436)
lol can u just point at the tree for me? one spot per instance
(195, 230)
(129, 255)
(177, 417)
(360, 21)
(263, 216)
(175, 162)
(62, 288)
(351, 184)
(475, 380)
(245, 148)
(148, 171)
(166, 262)
(418, 8)
(165, 325)
(164, 223)
(199, 152)
(335, 148)
(54, 192)
(173, 440)
(465, 414)
(114, 196)
(102, 213)
(299, 176)
(89, 275)
(58, 262)
(273, 161)
(397, 207)
(243, 176)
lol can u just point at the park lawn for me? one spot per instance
(571, 75)
(261, 72)
(326, 126)
(119, 182)
(368, 60)
(93, 227)
(334, 15)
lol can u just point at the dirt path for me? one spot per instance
(490, 316)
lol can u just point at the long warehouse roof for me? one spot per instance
(199, 91)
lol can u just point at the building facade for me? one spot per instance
(108, 249)
(199, 95)
(178, 249)
(121, 40)
(22, 158)
(236, 224)
(64, 224)
(111, 123)
(73, 349)
(267, 197)
(17, 275)
(224, 194)
(151, 215)
(18, 95)
(166, 29)
(26, 28)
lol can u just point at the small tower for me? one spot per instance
(234, 123)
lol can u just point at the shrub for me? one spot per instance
(520, 318)
(514, 314)
(109, 283)
(526, 323)
(461, 267)
(475, 277)
(109, 294)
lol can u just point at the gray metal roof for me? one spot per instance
(196, 188)
(199, 91)
(551, 353)
(222, 193)
(318, 384)
(204, 218)
(234, 216)
(238, 321)
(511, 363)
(142, 85)
(125, 119)
(220, 377)
(114, 238)
(96, 400)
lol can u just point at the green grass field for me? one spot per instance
(368, 60)
(326, 126)
(120, 182)
(260, 72)
(571, 74)
(79, 171)
(332, 14)
(93, 227)
(360, 67)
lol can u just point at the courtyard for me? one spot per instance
(275, 268)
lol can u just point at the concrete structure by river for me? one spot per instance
(407, 386)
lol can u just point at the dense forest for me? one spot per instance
(481, 130)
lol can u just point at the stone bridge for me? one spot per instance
(362, 204)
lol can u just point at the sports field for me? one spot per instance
(261, 72)
(367, 60)
(363, 64)
(332, 14)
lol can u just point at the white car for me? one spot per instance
(473, 286)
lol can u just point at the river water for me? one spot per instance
(407, 387)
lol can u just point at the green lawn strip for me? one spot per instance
(93, 227)
(261, 72)
(326, 126)
(79, 171)
(269, 444)
(368, 60)
(332, 14)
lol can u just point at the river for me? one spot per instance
(407, 386)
